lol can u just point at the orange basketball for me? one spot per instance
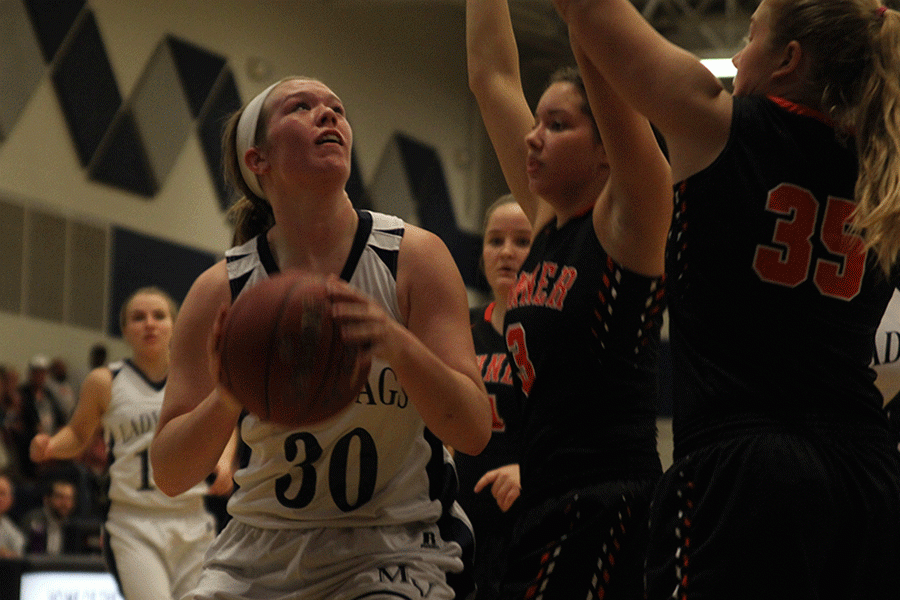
(281, 353)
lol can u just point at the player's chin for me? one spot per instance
(505, 280)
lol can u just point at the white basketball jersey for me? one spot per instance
(373, 464)
(128, 424)
(886, 359)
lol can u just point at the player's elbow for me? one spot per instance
(168, 479)
(167, 488)
(479, 441)
(480, 79)
(475, 433)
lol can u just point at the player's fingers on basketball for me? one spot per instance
(344, 311)
(348, 303)
(362, 322)
(339, 291)
(367, 336)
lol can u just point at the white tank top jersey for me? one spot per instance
(373, 464)
(129, 423)
(886, 354)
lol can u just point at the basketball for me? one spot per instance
(281, 353)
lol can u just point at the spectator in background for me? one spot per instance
(41, 412)
(59, 385)
(97, 356)
(45, 524)
(14, 429)
(7, 454)
(12, 540)
(38, 398)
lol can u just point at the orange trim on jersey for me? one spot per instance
(489, 311)
(800, 109)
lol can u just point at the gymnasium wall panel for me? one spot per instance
(12, 230)
(87, 289)
(45, 253)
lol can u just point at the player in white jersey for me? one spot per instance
(154, 544)
(359, 505)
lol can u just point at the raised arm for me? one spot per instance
(495, 80)
(664, 82)
(633, 214)
(73, 439)
(432, 354)
(198, 417)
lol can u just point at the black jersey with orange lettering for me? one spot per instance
(492, 526)
(773, 301)
(584, 333)
(496, 371)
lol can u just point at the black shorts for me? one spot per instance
(780, 512)
(588, 543)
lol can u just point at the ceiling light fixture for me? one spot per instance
(722, 68)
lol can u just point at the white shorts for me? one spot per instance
(157, 554)
(376, 563)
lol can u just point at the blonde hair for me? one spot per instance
(150, 290)
(250, 215)
(855, 46)
(501, 201)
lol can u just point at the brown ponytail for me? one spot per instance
(250, 215)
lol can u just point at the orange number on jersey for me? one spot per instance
(515, 341)
(788, 259)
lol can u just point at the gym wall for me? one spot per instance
(109, 126)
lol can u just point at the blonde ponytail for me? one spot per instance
(876, 121)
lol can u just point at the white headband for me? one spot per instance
(246, 138)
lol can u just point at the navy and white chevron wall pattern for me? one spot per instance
(131, 142)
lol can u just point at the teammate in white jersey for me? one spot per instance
(154, 544)
(354, 506)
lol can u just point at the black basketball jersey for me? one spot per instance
(496, 371)
(584, 334)
(773, 303)
(491, 525)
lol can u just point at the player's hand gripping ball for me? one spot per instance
(281, 354)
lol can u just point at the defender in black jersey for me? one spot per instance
(583, 322)
(781, 261)
(489, 483)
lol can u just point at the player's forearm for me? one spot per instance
(453, 405)
(65, 444)
(187, 447)
(491, 49)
